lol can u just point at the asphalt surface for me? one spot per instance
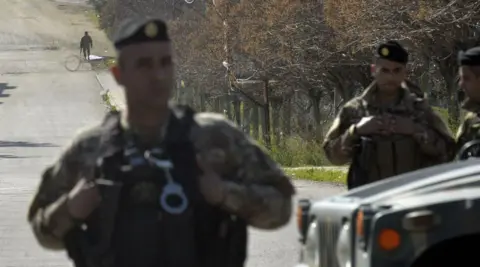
(280, 248)
(41, 107)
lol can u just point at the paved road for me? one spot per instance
(280, 249)
(41, 108)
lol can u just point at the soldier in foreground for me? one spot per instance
(388, 130)
(469, 73)
(157, 185)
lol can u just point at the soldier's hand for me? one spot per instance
(403, 125)
(211, 184)
(372, 125)
(83, 199)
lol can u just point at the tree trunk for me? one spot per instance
(287, 116)
(246, 118)
(266, 116)
(255, 122)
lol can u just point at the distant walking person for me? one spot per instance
(85, 44)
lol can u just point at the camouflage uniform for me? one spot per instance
(394, 154)
(470, 127)
(257, 190)
(376, 157)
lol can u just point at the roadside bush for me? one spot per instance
(295, 151)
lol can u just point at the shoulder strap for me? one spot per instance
(111, 124)
(181, 122)
(111, 134)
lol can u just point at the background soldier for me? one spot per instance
(85, 44)
(388, 130)
(469, 73)
(158, 185)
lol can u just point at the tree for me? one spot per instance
(434, 30)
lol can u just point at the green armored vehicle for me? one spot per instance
(424, 218)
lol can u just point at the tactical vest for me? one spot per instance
(131, 228)
(379, 157)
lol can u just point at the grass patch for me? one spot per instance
(108, 101)
(296, 152)
(318, 175)
(442, 112)
(105, 64)
(110, 62)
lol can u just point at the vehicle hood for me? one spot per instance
(440, 177)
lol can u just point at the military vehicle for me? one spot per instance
(422, 218)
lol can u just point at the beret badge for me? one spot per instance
(151, 30)
(384, 51)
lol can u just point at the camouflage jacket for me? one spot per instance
(470, 127)
(392, 154)
(263, 198)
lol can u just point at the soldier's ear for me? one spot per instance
(115, 70)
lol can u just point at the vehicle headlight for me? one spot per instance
(344, 248)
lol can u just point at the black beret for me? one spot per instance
(140, 30)
(471, 57)
(393, 51)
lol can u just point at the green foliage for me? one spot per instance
(294, 152)
(318, 175)
(444, 115)
(108, 101)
